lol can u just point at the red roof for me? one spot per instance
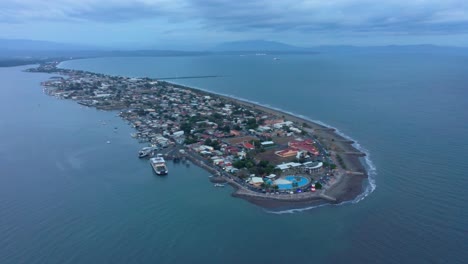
(232, 149)
(306, 145)
(289, 152)
(235, 132)
(247, 145)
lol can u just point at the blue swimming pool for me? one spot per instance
(283, 185)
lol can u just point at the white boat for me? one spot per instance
(145, 152)
(159, 165)
(218, 185)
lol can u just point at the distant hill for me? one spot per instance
(24, 49)
(258, 46)
(39, 45)
(279, 47)
(423, 48)
(21, 51)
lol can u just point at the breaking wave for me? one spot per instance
(368, 164)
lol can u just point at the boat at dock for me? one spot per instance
(159, 165)
(146, 152)
(218, 185)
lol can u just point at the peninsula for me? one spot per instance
(271, 158)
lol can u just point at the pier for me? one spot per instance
(190, 77)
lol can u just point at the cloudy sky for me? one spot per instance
(194, 24)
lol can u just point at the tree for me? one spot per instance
(217, 116)
(238, 164)
(269, 169)
(226, 129)
(215, 145)
(263, 163)
(190, 140)
(256, 143)
(251, 124)
(186, 127)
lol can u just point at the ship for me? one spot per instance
(159, 165)
(146, 152)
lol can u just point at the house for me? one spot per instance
(231, 150)
(264, 128)
(248, 146)
(257, 181)
(306, 145)
(289, 165)
(267, 143)
(205, 148)
(235, 133)
(178, 134)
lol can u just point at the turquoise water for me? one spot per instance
(302, 181)
(68, 197)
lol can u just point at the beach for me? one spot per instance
(347, 187)
(81, 200)
(345, 182)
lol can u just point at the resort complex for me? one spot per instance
(265, 154)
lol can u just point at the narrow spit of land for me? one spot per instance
(272, 158)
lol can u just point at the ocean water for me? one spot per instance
(68, 197)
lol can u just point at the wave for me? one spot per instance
(368, 164)
(297, 210)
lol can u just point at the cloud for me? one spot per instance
(385, 16)
(17, 11)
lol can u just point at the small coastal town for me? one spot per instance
(263, 153)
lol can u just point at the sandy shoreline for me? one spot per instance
(347, 188)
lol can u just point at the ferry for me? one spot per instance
(159, 165)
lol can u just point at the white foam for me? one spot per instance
(296, 210)
(369, 165)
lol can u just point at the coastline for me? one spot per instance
(348, 188)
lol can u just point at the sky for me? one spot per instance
(198, 24)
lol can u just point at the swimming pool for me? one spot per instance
(286, 183)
